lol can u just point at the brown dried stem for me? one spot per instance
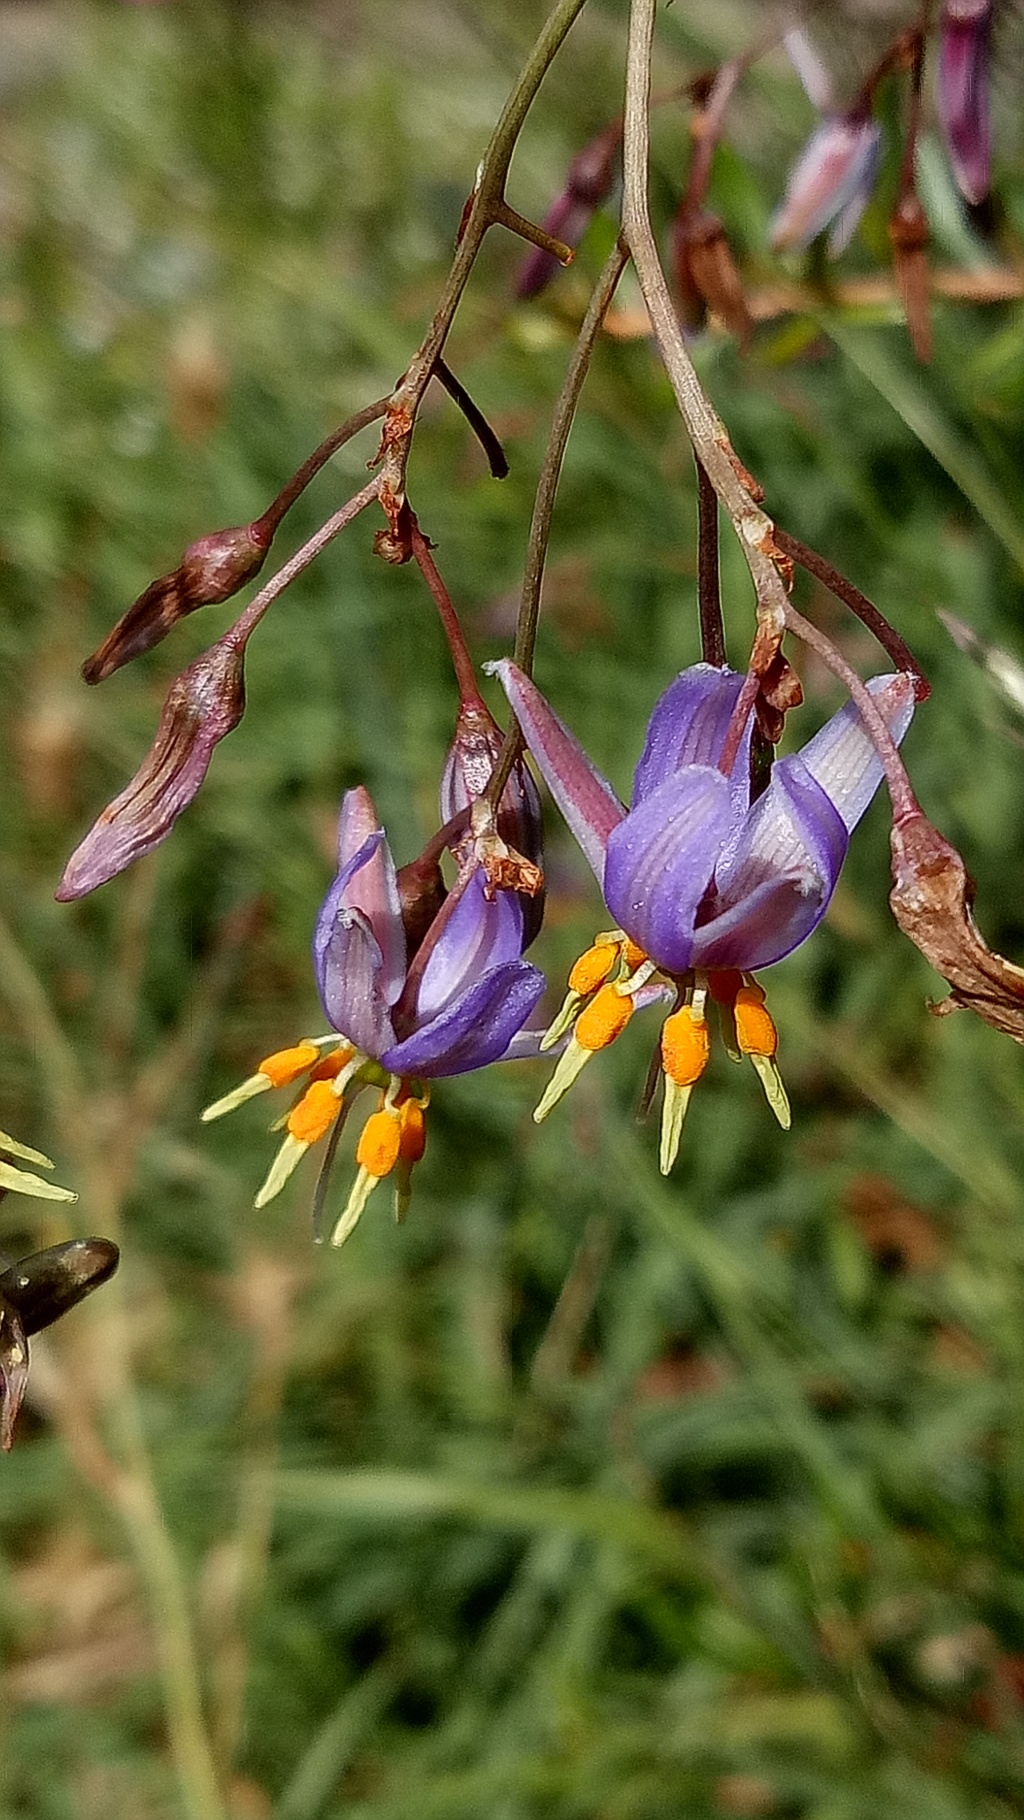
(836, 583)
(462, 662)
(709, 596)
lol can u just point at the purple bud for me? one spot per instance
(829, 183)
(203, 704)
(962, 92)
(211, 570)
(589, 180)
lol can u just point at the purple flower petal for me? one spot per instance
(660, 862)
(688, 727)
(842, 757)
(476, 1029)
(476, 934)
(348, 966)
(367, 881)
(833, 176)
(962, 92)
(588, 803)
(773, 886)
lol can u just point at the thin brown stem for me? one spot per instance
(337, 439)
(497, 460)
(709, 595)
(836, 583)
(544, 499)
(462, 663)
(904, 802)
(706, 431)
(307, 553)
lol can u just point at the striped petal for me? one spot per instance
(589, 804)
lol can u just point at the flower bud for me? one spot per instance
(46, 1284)
(588, 182)
(211, 570)
(962, 92)
(421, 892)
(203, 704)
(471, 759)
(830, 183)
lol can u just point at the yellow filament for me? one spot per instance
(603, 1019)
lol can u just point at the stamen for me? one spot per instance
(774, 1091)
(278, 1070)
(362, 1188)
(413, 1142)
(685, 1045)
(603, 1019)
(571, 1063)
(673, 1112)
(315, 1113)
(332, 1064)
(755, 1027)
(562, 1022)
(285, 1065)
(284, 1165)
(592, 968)
(380, 1143)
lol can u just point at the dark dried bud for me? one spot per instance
(908, 233)
(780, 691)
(392, 546)
(33, 1294)
(467, 772)
(962, 92)
(931, 900)
(706, 275)
(203, 704)
(421, 892)
(588, 182)
(211, 570)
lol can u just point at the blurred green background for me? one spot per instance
(583, 1495)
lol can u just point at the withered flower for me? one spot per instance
(203, 704)
(33, 1294)
(931, 900)
(210, 572)
(706, 275)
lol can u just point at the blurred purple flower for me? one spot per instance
(588, 182)
(830, 183)
(962, 92)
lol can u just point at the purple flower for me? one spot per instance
(830, 183)
(962, 92)
(704, 884)
(467, 991)
(406, 1005)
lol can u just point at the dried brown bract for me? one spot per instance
(931, 900)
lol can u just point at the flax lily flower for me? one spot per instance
(704, 884)
(830, 184)
(398, 1019)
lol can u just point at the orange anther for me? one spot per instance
(724, 986)
(332, 1064)
(633, 956)
(314, 1114)
(603, 1019)
(285, 1065)
(592, 968)
(412, 1140)
(685, 1046)
(755, 1028)
(380, 1143)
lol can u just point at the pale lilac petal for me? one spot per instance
(348, 971)
(589, 804)
(476, 934)
(832, 177)
(773, 885)
(367, 882)
(660, 862)
(474, 1031)
(842, 758)
(688, 727)
(962, 93)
